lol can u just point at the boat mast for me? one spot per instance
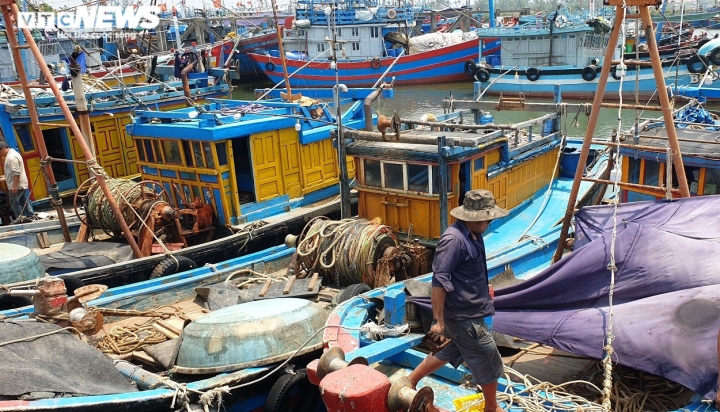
(10, 12)
(281, 50)
(345, 211)
(644, 15)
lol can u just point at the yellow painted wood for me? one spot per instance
(265, 152)
(492, 158)
(319, 165)
(513, 187)
(291, 165)
(39, 188)
(234, 195)
(479, 177)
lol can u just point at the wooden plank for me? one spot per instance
(289, 284)
(142, 356)
(265, 288)
(42, 240)
(168, 333)
(167, 325)
(313, 281)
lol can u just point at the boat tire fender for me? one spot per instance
(8, 302)
(693, 63)
(532, 74)
(561, 21)
(589, 73)
(171, 266)
(270, 66)
(714, 56)
(613, 72)
(702, 42)
(482, 75)
(352, 291)
(391, 14)
(72, 283)
(470, 68)
(292, 391)
(375, 63)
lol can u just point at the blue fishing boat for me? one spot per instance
(369, 39)
(244, 376)
(565, 49)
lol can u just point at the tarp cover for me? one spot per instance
(59, 363)
(434, 41)
(666, 302)
(86, 255)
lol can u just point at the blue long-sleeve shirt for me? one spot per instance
(461, 269)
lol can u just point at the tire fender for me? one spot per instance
(170, 266)
(292, 391)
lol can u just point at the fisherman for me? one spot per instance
(17, 183)
(461, 298)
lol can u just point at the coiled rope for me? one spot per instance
(345, 249)
(98, 211)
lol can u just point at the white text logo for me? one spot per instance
(98, 17)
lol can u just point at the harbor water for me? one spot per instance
(415, 101)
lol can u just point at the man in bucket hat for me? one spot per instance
(461, 298)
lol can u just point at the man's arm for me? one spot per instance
(438, 306)
(15, 185)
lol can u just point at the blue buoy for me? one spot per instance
(18, 263)
(486, 118)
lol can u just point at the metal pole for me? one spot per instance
(345, 210)
(81, 107)
(53, 191)
(592, 122)
(665, 102)
(282, 51)
(10, 11)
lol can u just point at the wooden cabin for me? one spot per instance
(110, 113)
(248, 159)
(399, 181)
(646, 165)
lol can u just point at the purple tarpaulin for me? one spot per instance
(666, 297)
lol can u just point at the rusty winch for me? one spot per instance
(149, 212)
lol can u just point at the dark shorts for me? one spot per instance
(473, 344)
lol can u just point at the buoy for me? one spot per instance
(375, 63)
(589, 73)
(561, 21)
(270, 66)
(391, 14)
(695, 65)
(482, 75)
(470, 67)
(18, 263)
(532, 74)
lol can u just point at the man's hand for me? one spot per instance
(438, 328)
(14, 190)
(2, 178)
(491, 291)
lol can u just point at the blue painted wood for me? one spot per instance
(150, 170)
(208, 178)
(315, 196)
(387, 347)
(442, 185)
(249, 208)
(394, 307)
(411, 358)
(168, 173)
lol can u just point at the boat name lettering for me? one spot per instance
(97, 17)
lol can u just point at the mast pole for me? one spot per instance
(10, 12)
(281, 50)
(345, 208)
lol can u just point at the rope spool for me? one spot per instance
(136, 195)
(346, 250)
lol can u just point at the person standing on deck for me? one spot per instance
(17, 183)
(461, 298)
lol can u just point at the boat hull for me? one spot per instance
(441, 65)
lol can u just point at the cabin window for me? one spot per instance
(356, 46)
(393, 176)
(374, 32)
(355, 31)
(693, 178)
(149, 150)
(712, 180)
(23, 133)
(321, 47)
(372, 173)
(187, 150)
(651, 177)
(418, 178)
(634, 171)
(197, 153)
(339, 32)
(158, 153)
(208, 155)
(222, 154)
(479, 163)
(171, 152)
(141, 150)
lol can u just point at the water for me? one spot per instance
(414, 101)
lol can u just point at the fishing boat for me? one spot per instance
(370, 40)
(570, 51)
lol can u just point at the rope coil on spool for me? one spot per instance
(345, 250)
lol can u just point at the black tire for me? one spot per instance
(352, 291)
(270, 66)
(482, 75)
(695, 65)
(72, 283)
(589, 73)
(375, 63)
(714, 56)
(613, 72)
(8, 302)
(702, 43)
(169, 266)
(470, 67)
(532, 74)
(292, 392)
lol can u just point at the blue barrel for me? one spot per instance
(110, 51)
(275, 53)
(486, 118)
(569, 161)
(392, 52)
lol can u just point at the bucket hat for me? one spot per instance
(479, 205)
